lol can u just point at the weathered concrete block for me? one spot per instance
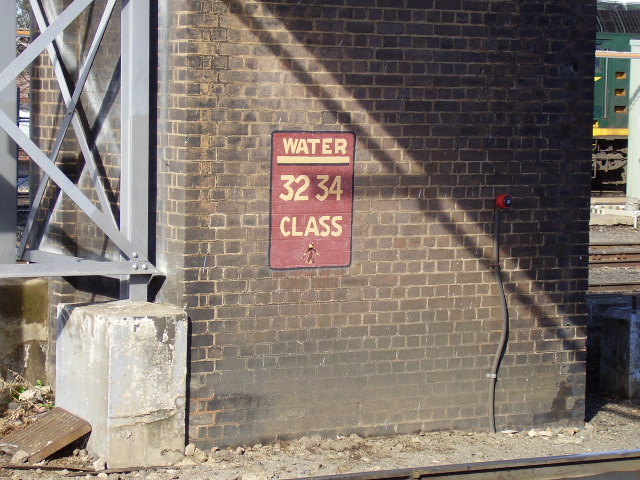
(23, 327)
(122, 367)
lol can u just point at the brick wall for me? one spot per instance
(452, 102)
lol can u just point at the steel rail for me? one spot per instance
(614, 258)
(620, 465)
(614, 255)
(613, 245)
(614, 287)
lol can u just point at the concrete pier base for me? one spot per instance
(620, 352)
(122, 366)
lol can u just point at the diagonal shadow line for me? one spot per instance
(79, 112)
(93, 132)
(108, 101)
(322, 94)
(35, 234)
(93, 129)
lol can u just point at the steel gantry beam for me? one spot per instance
(129, 231)
(135, 130)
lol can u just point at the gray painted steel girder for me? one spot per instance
(131, 237)
(70, 102)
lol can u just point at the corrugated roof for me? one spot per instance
(618, 21)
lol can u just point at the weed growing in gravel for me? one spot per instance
(21, 402)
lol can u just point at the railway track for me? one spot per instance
(623, 465)
(619, 465)
(614, 287)
(614, 256)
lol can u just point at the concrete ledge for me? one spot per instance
(608, 214)
(122, 366)
(599, 219)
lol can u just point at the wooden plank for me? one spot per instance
(50, 433)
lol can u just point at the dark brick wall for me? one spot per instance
(452, 103)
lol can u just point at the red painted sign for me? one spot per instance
(311, 199)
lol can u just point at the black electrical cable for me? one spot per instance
(493, 377)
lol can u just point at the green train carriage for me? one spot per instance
(611, 111)
(617, 25)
